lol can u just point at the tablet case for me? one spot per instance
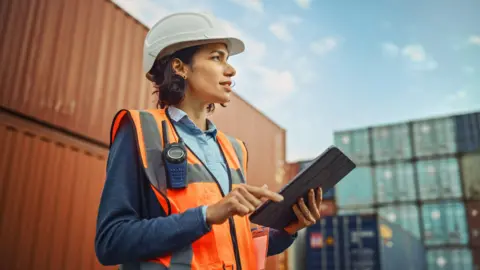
(325, 171)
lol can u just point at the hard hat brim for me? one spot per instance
(234, 46)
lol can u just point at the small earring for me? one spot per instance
(184, 77)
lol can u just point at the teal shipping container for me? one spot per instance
(355, 144)
(470, 167)
(445, 223)
(356, 189)
(391, 143)
(395, 183)
(439, 179)
(450, 259)
(356, 211)
(434, 137)
(407, 216)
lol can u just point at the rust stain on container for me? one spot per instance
(49, 198)
(473, 218)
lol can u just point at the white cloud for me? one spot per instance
(416, 53)
(390, 49)
(305, 4)
(281, 31)
(474, 40)
(254, 5)
(293, 19)
(324, 46)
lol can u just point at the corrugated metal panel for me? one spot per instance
(80, 71)
(355, 144)
(476, 258)
(355, 211)
(391, 143)
(468, 132)
(330, 194)
(266, 146)
(444, 223)
(471, 175)
(395, 183)
(356, 189)
(407, 216)
(451, 259)
(434, 137)
(49, 198)
(439, 179)
(473, 218)
(361, 242)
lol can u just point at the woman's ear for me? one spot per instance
(179, 67)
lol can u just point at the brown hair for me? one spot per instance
(169, 86)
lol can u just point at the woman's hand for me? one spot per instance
(306, 216)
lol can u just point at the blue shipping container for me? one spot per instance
(445, 223)
(450, 259)
(330, 194)
(356, 189)
(467, 129)
(362, 242)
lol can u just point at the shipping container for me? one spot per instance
(434, 137)
(439, 179)
(476, 258)
(362, 242)
(356, 189)
(355, 144)
(80, 72)
(407, 216)
(395, 183)
(444, 223)
(330, 194)
(355, 211)
(297, 252)
(51, 187)
(391, 142)
(473, 219)
(468, 132)
(470, 168)
(449, 259)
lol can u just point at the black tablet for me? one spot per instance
(325, 171)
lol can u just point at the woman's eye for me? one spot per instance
(217, 58)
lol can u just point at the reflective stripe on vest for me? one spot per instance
(215, 249)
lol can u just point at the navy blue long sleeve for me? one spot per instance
(123, 235)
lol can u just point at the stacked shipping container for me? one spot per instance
(72, 75)
(423, 175)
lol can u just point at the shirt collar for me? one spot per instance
(179, 116)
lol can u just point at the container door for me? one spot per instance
(407, 216)
(468, 132)
(439, 179)
(355, 144)
(391, 143)
(449, 258)
(356, 189)
(444, 223)
(434, 137)
(471, 175)
(473, 217)
(395, 183)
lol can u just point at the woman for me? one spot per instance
(175, 195)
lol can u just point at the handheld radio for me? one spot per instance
(175, 158)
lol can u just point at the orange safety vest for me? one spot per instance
(227, 246)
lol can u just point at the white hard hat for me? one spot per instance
(181, 30)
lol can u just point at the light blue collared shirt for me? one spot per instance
(203, 144)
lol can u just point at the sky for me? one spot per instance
(318, 66)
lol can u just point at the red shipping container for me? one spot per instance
(328, 208)
(51, 186)
(476, 258)
(473, 218)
